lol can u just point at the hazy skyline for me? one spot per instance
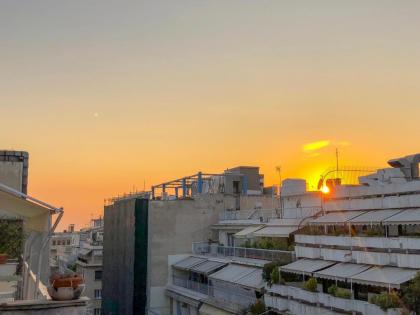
(105, 95)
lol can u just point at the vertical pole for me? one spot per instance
(184, 188)
(176, 192)
(153, 192)
(200, 182)
(163, 190)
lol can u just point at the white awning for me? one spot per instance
(385, 276)
(248, 232)
(341, 271)
(275, 231)
(206, 309)
(14, 207)
(207, 266)
(306, 266)
(185, 295)
(407, 217)
(188, 263)
(340, 217)
(242, 275)
(374, 216)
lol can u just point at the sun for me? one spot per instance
(325, 189)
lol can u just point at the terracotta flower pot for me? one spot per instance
(3, 258)
(67, 282)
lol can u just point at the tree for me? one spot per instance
(411, 295)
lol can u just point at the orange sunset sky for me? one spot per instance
(105, 95)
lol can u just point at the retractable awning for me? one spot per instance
(405, 217)
(207, 267)
(374, 216)
(16, 207)
(242, 275)
(306, 266)
(188, 263)
(275, 231)
(390, 277)
(248, 232)
(341, 271)
(340, 217)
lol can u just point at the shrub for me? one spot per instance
(257, 308)
(343, 293)
(339, 292)
(411, 294)
(311, 285)
(332, 289)
(386, 300)
(267, 270)
(11, 238)
(275, 275)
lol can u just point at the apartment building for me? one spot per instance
(363, 248)
(89, 263)
(65, 247)
(166, 222)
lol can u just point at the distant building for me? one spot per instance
(65, 246)
(89, 263)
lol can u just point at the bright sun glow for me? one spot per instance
(325, 189)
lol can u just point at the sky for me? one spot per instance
(109, 96)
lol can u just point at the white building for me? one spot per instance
(89, 263)
(366, 242)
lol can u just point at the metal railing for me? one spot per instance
(203, 248)
(254, 214)
(191, 285)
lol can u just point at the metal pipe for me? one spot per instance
(51, 231)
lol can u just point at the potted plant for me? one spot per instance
(66, 286)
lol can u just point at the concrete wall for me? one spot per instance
(173, 226)
(261, 202)
(14, 169)
(45, 307)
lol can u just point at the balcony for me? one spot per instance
(254, 214)
(399, 243)
(336, 254)
(191, 285)
(372, 258)
(291, 296)
(307, 252)
(204, 248)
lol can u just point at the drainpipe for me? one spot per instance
(51, 231)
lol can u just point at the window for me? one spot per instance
(68, 242)
(98, 275)
(98, 294)
(97, 311)
(53, 243)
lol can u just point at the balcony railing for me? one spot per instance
(254, 214)
(318, 298)
(204, 248)
(191, 285)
